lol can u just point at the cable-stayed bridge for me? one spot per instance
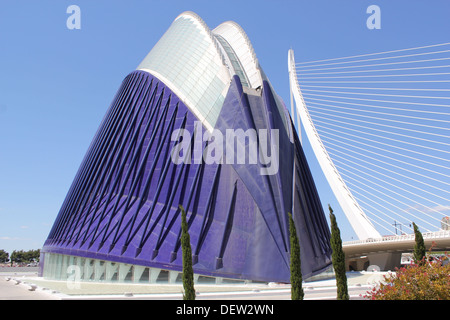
(379, 127)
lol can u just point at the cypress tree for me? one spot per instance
(296, 270)
(188, 272)
(419, 246)
(338, 258)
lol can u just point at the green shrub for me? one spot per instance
(296, 266)
(422, 280)
(188, 272)
(338, 258)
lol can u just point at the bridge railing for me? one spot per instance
(405, 237)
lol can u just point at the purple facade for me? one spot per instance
(123, 203)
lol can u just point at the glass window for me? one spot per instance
(187, 56)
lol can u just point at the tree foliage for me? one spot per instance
(422, 280)
(188, 272)
(419, 246)
(296, 269)
(22, 256)
(338, 258)
(4, 256)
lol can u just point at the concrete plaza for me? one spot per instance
(28, 286)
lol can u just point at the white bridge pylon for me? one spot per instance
(363, 228)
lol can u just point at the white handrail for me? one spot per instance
(404, 237)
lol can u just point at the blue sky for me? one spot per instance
(56, 84)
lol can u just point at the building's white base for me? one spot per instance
(73, 268)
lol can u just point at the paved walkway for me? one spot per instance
(15, 287)
(27, 286)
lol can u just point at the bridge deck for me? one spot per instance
(440, 241)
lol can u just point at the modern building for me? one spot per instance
(445, 223)
(198, 90)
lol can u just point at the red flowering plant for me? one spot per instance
(428, 279)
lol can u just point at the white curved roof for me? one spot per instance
(198, 64)
(238, 40)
